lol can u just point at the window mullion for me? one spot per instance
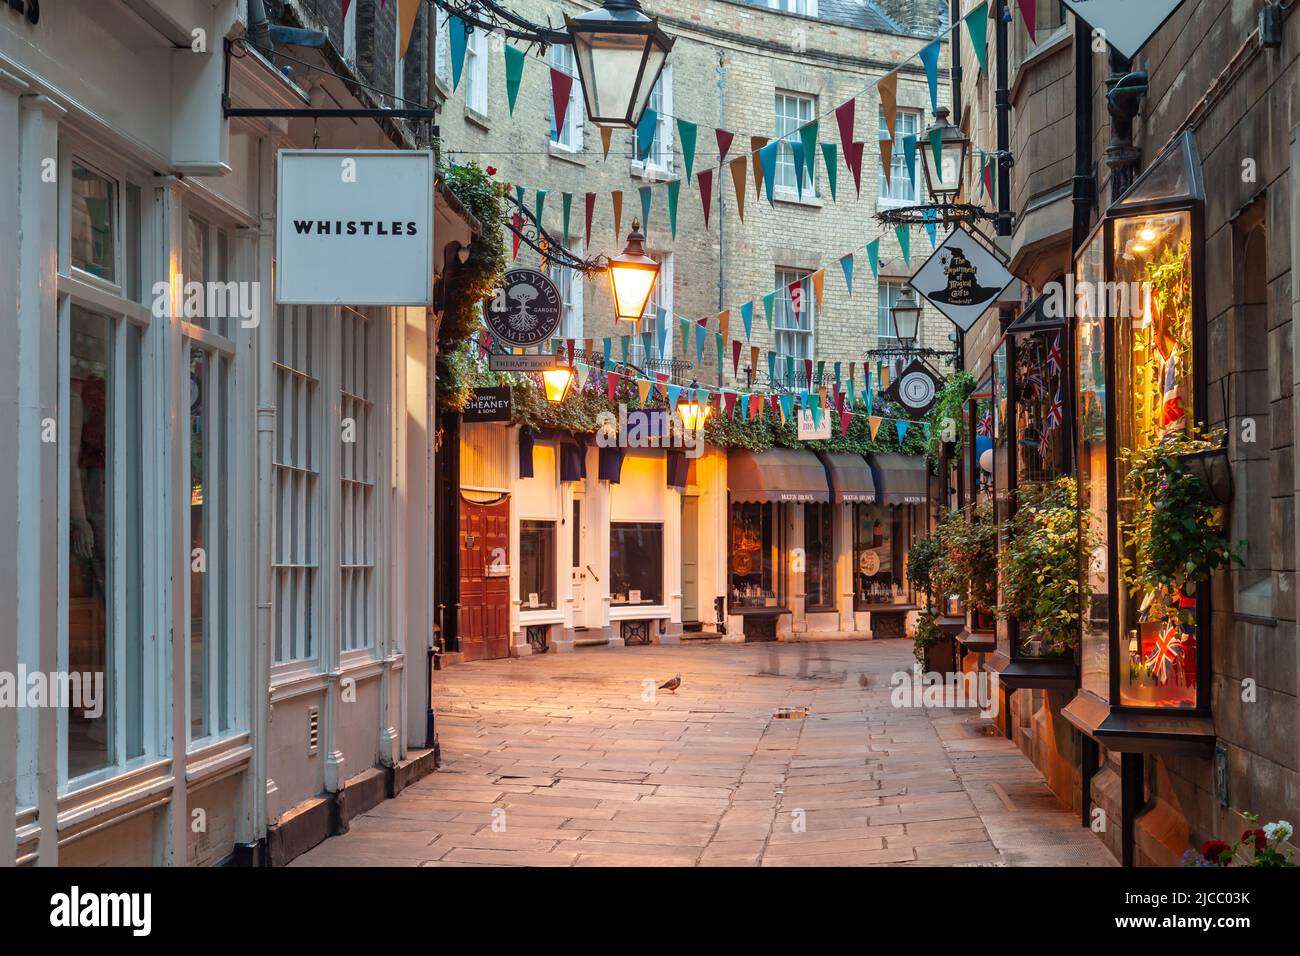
(116, 590)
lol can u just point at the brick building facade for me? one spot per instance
(753, 71)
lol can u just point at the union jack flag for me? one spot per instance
(1034, 385)
(1056, 411)
(1054, 359)
(1168, 648)
(985, 425)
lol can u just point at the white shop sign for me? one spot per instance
(354, 227)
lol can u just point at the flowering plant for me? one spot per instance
(1265, 844)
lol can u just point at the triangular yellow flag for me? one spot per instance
(724, 323)
(605, 133)
(407, 11)
(884, 378)
(873, 422)
(818, 284)
(887, 159)
(618, 214)
(738, 178)
(587, 346)
(887, 87)
(643, 387)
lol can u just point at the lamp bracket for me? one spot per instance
(936, 214)
(492, 17)
(533, 235)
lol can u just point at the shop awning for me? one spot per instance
(779, 474)
(1035, 318)
(900, 479)
(851, 478)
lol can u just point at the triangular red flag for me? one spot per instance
(724, 143)
(561, 88)
(853, 158)
(735, 357)
(517, 221)
(591, 209)
(807, 371)
(845, 418)
(346, 4)
(730, 398)
(569, 342)
(1028, 9)
(611, 384)
(795, 289)
(706, 193)
(988, 178)
(844, 116)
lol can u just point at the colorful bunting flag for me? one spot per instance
(1029, 10)
(686, 135)
(887, 161)
(724, 138)
(645, 133)
(617, 198)
(674, 189)
(909, 156)
(844, 119)
(561, 89)
(930, 58)
(904, 242)
(590, 200)
(756, 143)
(458, 43)
(846, 264)
(767, 161)
(767, 308)
(747, 317)
(706, 193)
(830, 156)
(977, 25)
(887, 87)
(808, 138)
(566, 207)
(873, 256)
(605, 133)
(739, 165)
(646, 199)
(853, 159)
(514, 74)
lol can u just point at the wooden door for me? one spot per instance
(485, 579)
(690, 560)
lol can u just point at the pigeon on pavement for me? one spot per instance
(672, 684)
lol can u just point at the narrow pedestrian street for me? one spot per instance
(568, 760)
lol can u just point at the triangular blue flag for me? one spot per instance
(661, 326)
(700, 333)
(673, 392)
(930, 57)
(767, 158)
(607, 343)
(458, 39)
(771, 367)
(647, 342)
(796, 147)
(909, 153)
(645, 208)
(645, 133)
(902, 430)
(817, 414)
(846, 263)
(931, 216)
(787, 405)
(747, 316)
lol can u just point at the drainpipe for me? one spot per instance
(1085, 181)
(954, 17)
(1004, 121)
(722, 193)
(259, 27)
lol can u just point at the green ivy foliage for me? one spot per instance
(948, 408)
(1039, 567)
(967, 565)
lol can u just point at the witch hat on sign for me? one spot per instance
(963, 289)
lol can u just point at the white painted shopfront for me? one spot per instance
(255, 592)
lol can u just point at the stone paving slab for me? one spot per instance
(557, 760)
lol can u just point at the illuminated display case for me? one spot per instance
(1140, 366)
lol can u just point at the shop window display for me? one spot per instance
(753, 556)
(881, 534)
(636, 563)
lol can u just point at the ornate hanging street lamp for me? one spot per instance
(632, 277)
(620, 53)
(557, 382)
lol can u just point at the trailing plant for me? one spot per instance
(921, 558)
(925, 635)
(1039, 568)
(1174, 537)
(967, 564)
(946, 415)
(467, 284)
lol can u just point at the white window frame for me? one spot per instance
(888, 292)
(898, 164)
(399, 68)
(659, 163)
(360, 474)
(350, 34)
(783, 316)
(475, 75)
(792, 6)
(222, 570)
(570, 283)
(785, 151)
(109, 298)
(569, 139)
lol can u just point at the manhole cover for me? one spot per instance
(791, 713)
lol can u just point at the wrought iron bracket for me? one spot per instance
(532, 234)
(936, 214)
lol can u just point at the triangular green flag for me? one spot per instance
(936, 147)
(514, 74)
(808, 136)
(909, 155)
(458, 41)
(977, 24)
(541, 202)
(645, 133)
(717, 339)
(645, 207)
(830, 153)
(873, 256)
(686, 131)
(686, 334)
(566, 201)
(674, 189)
(767, 308)
(904, 242)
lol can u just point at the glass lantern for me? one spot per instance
(1140, 360)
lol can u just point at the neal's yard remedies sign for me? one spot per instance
(962, 279)
(354, 227)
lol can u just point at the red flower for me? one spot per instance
(1215, 850)
(1258, 836)
(491, 170)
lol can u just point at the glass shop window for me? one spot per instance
(1041, 452)
(880, 537)
(1151, 315)
(753, 555)
(93, 226)
(636, 563)
(537, 565)
(819, 553)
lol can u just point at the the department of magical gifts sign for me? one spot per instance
(962, 279)
(354, 227)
